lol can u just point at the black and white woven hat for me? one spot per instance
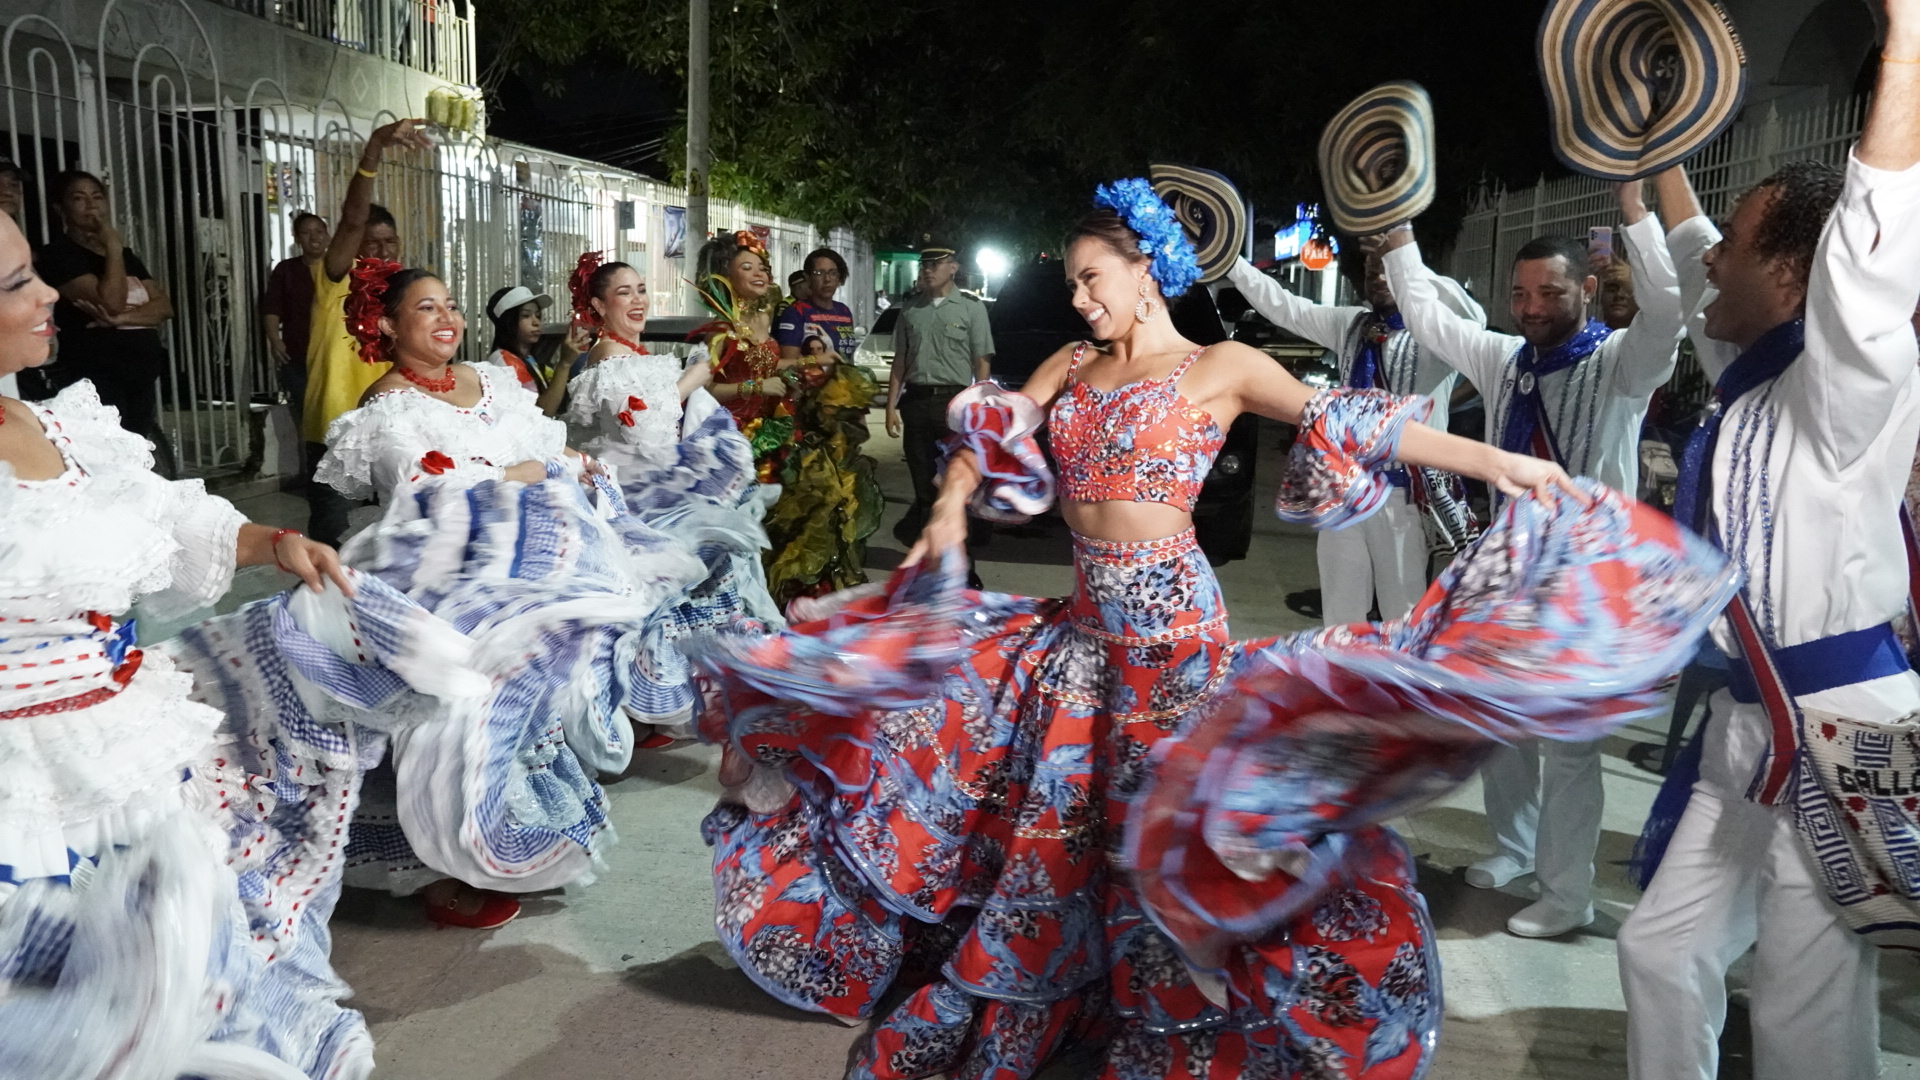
(1637, 86)
(1217, 219)
(1376, 159)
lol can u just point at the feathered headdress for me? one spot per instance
(366, 303)
(580, 283)
(1175, 265)
(717, 294)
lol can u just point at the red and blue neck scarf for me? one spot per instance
(1365, 373)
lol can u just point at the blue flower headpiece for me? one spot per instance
(1175, 265)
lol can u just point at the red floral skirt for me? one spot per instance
(974, 843)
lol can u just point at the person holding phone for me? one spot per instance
(1571, 390)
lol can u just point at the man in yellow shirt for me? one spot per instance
(336, 376)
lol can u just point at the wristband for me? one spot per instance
(1899, 59)
(371, 174)
(274, 546)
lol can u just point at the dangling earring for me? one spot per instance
(1143, 311)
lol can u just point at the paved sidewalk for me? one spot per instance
(623, 978)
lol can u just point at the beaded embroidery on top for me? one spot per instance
(1142, 442)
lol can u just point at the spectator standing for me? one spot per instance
(13, 192)
(942, 345)
(336, 376)
(815, 313)
(287, 308)
(517, 327)
(110, 311)
(1617, 303)
(796, 287)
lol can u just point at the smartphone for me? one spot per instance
(1600, 242)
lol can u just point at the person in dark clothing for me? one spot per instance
(287, 308)
(110, 311)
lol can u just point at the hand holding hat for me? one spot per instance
(1636, 86)
(1376, 159)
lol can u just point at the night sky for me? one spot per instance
(1017, 109)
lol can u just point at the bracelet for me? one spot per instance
(749, 387)
(274, 546)
(1899, 59)
(371, 174)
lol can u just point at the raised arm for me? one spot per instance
(1648, 347)
(1260, 385)
(1865, 278)
(345, 245)
(1461, 343)
(1692, 236)
(1321, 324)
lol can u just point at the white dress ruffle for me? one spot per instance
(571, 604)
(600, 404)
(121, 914)
(685, 469)
(383, 444)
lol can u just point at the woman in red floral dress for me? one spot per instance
(1100, 816)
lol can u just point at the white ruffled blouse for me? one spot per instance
(406, 437)
(630, 404)
(75, 552)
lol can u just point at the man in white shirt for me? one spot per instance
(1799, 473)
(1569, 389)
(1385, 556)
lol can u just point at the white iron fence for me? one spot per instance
(204, 180)
(1502, 221)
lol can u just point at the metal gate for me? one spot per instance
(146, 119)
(204, 181)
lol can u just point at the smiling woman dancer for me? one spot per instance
(806, 423)
(682, 463)
(125, 945)
(524, 545)
(1107, 817)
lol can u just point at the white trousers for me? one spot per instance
(1384, 556)
(1543, 801)
(1735, 875)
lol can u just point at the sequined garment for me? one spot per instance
(1142, 442)
(830, 499)
(766, 421)
(1000, 833)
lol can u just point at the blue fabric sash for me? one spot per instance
(1376, 329)
(1776, 351)
(1526, 415)
(1824, 663)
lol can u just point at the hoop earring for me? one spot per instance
(1143, 311)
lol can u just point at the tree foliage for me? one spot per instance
(993, 119)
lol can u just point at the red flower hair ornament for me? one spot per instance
(579, 285)
(750, 240)
(366, 304)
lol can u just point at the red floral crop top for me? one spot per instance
(1142, 442)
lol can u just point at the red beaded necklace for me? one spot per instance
(442, 385)
(615, 337)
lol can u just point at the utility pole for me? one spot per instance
(698, 159)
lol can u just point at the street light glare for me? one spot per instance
(991, 262)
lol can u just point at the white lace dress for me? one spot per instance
(685, 469)
(570, 602)
(120, 912)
